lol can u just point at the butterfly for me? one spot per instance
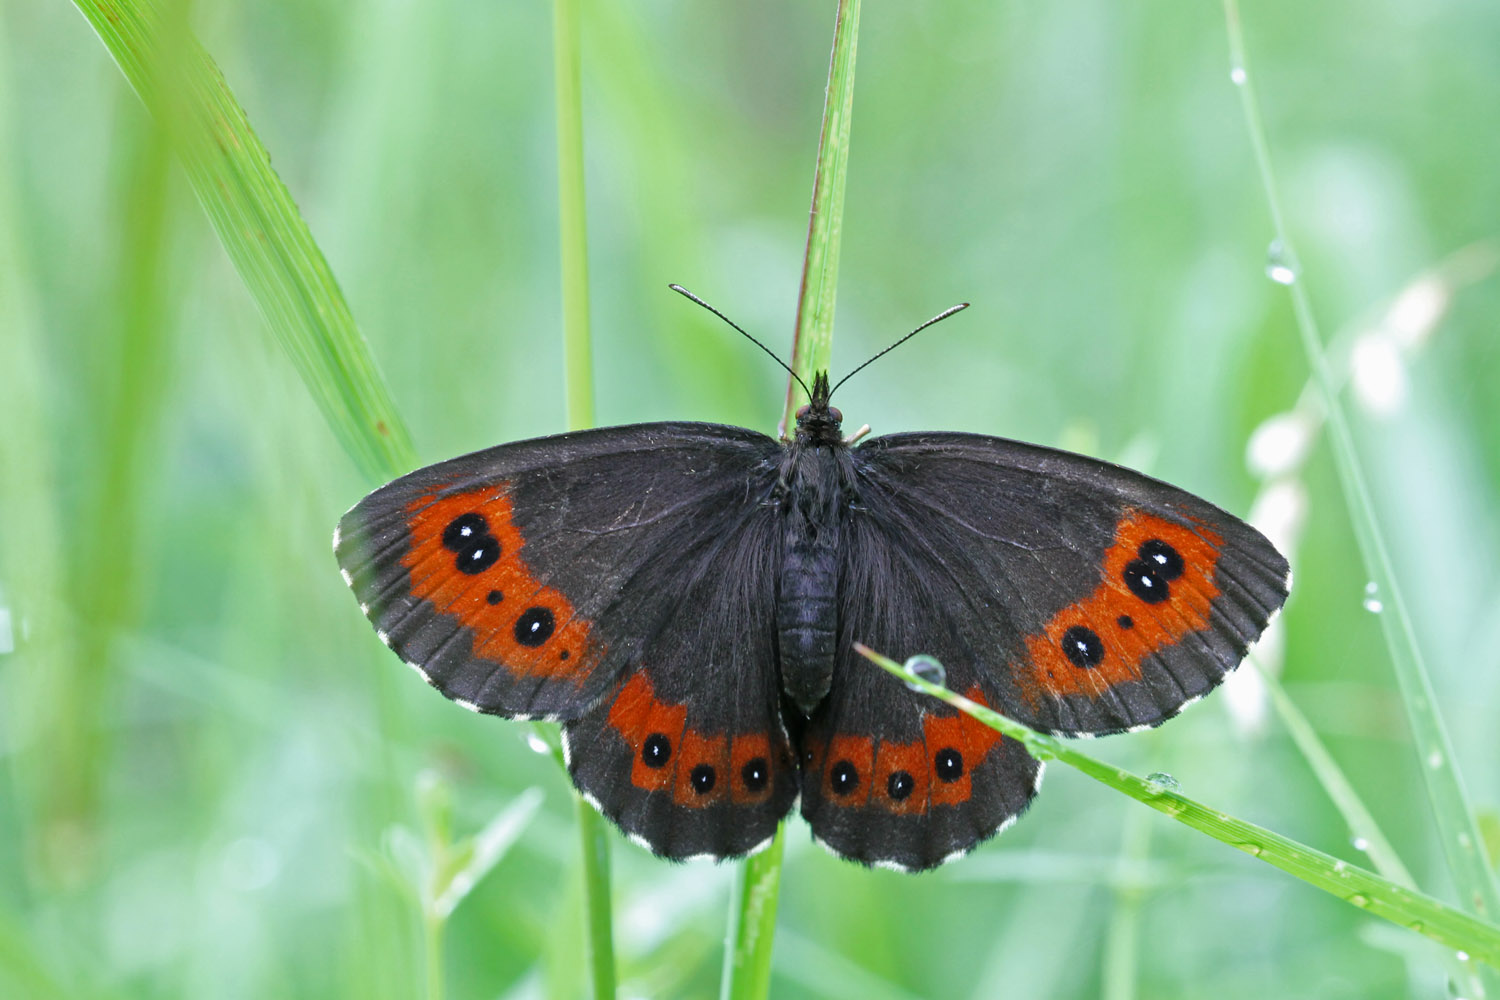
(684, 599)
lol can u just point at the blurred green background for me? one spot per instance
(206, 748)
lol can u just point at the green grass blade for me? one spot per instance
(593, 831)
(812, 346)
(752, 917)
(593, 837)
(1122, 940)
(1367, 835)
(752, 924)
(259, 226)
(1356, 886)
(1457, 827)
(572, 215)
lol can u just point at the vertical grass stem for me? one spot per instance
(1452, 811)
(593, 834)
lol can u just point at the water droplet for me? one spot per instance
(1373, 603)
(1251, 849)
(1281, 263)
(1462, 956)
(1361, 844)
(1237, 76)
(1359, 900)
(1435, 760)
(927, 669)
(537, 744)
(1160, 781)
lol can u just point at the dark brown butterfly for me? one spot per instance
(684, 597)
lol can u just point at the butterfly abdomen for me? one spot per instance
(815, 483)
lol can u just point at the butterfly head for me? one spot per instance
(817, 422)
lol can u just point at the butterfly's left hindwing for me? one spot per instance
(689, 754)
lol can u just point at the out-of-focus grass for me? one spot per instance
(1079, 171)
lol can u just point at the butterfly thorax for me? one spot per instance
(815, 489)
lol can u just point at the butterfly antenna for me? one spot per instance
(938, 318)
(687, 294)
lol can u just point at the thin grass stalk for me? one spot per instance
(259, 225)
(1365, 832)
(572, 215)
(1122, 939)
(812, 342)
(1364, 889)
(752, 906)
(1457, 827)
(432, 953)
(752, 924)
(593, 838)
(572, 225)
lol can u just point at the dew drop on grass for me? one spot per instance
(1359, 900)
(927, 669)
(1462, 956)
(1434, 760)
(1281, 263)
(1160, 781)
(1373, 603)
(1237, 75)
(537, 744)
(1360, 844)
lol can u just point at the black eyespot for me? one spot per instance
(755, 773)
(656, 751)
(900, 785)
(1167, 560)
(1083, 646)
(481, 554)
(463, 530)
(534, 627)
(564, 655)
(702, 778)
(494, 597)
(1125, 621)
(1142, 579)
(949, 764)
(843, 778)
